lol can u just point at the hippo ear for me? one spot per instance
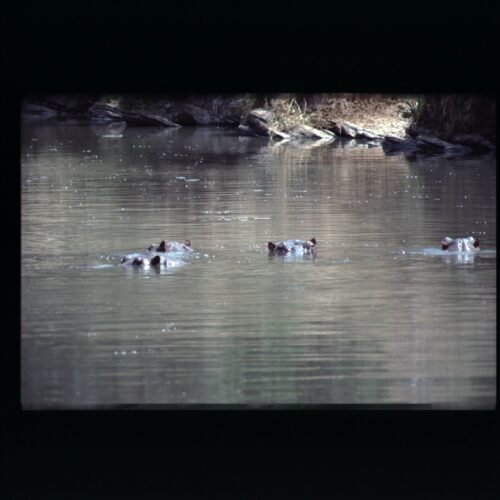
(445, 243)
(187, 243)
(161, 247)
(313, 241)
(124, 259)
(271, 246)
(155, 260)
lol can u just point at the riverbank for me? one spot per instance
(451, 125)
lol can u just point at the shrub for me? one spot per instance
(446, 115)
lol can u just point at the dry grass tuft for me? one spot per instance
(287, 114)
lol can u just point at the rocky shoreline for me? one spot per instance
(249, 116)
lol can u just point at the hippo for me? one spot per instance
(292, 247)
(135, 261)
(171, 246)
(468, 244)
(155, 262)
(161, 260)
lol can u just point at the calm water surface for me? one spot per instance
(380, 316)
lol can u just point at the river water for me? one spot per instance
(380, 316)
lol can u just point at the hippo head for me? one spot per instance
(473, 241)
(282, 249)
(155, 260)
(445, 243)
(161, 247)
(309, 245)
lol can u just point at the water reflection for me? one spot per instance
(460, 258)
(361, 323)
(110, 130)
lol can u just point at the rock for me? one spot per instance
(366, 134)
(146, 119)
(224, 110)
(100, 112)
(55, 106)
(230, 110)
(424, 144)
(259, 121)
(198, 115)
(434, 144)
(457, 150)
(429, 142)
(104, 113)
(350, 131)
(307, 132)
(358, 132)
(70, 104)
(38, 111)
(189, 114)
(473, 141)
(342, 130)
(392, 143)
